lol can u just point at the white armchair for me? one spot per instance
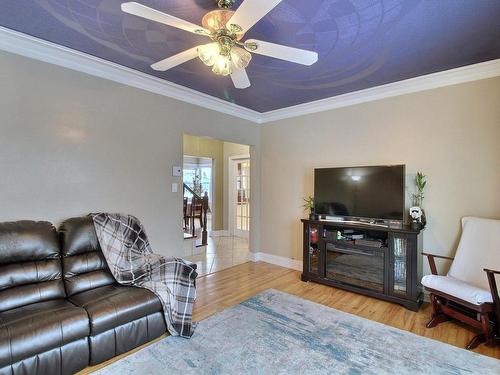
(469, 292)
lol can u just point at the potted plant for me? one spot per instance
(416, 211)
(309, 206)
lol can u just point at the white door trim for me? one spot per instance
(230, 190)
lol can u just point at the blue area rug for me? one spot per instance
(277, 333)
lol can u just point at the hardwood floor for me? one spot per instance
(231, 286)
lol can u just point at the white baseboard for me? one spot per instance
(293, 264)
(219, 233)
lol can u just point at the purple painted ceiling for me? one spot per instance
(361, 43)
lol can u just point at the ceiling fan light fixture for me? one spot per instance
(216, 19)
(225, 4)
(222, 65)
(240, 57)
(214, 55)
(208, 53)
(227, 54)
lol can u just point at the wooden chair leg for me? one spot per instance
(476, 341)
(487, 330)
(438, 316)
(485, 337)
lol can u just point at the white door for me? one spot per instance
(241, 197)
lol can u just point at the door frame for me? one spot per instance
(231, 196)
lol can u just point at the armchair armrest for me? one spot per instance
(494, 291)
(432, 263)
(491, 271)
(437, 256)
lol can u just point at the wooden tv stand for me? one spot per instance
(384, 264)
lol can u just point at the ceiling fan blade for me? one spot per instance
(143, 11)
(240, 78)
(250, 12)
(175, 60)
(278, 51)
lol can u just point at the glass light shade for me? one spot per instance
(222, 65)
(208, 53)
(217, 20)
(240, 57)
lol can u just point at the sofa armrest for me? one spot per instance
(432, 263)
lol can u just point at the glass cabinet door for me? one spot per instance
(400, 248)
(312, 239)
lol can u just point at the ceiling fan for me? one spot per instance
(226, 54)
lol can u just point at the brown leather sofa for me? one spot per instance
(60, 308)
(121, 317)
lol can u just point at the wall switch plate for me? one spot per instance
(174, 187)
(176, 171)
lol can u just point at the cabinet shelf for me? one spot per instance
(350, 245)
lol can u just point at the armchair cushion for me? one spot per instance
(479, 248)
(457, 288)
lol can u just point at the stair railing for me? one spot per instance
(196, 201)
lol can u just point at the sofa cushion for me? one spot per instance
(39, 327)
(113, 305)
(84, 266)
(30, 266)
(25, 240)
(457, 288)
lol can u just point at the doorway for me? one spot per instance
(222, 171)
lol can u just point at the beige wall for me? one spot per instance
(213, 149)
(71, 144)
(452, 134)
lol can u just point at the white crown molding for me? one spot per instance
(35, 48)
(26, 45)
(449, 77)
(293, 264)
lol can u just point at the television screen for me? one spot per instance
(376, 192)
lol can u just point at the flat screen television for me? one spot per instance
(375, 193)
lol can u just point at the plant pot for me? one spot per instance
(313, 216)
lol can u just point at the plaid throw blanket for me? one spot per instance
(132, 262)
